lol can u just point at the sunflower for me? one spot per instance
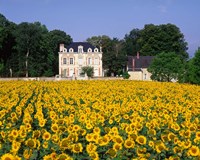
(96, 130)
(171, 136)
(118, 139)
(142, 140)
(197, 137)
(31, 143)
(46, 136)
(82, 132)
(64, 143)
(7, 156)
(64, 156)
(47, 157)
(94, 155)
(187, 134)
(77, 148)
(15, 146)
(91, 148)
(76, 128)
(14, 133)
(174, 158)
(55, 138)
(151, 144)
(45, 145)
(54, 127)
(89, 137)
(129, 143)
(152, 132)
(160, 147)
(117, 146)
(177, 149)
(27, 154)
(129, 130)
(111, 152)
(194, 151)
(187, 144)
(72, 137)
(89, 126)
(36, 134)
(141, 151)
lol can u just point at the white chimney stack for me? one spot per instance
(61, 47)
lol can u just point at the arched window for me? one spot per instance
(71, 50)
(96, 50)
(89, 50)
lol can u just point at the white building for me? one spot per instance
(79, 54)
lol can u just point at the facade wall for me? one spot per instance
(69, 69)
(140, 75)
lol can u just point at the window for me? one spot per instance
(96, 50)
(145, 76)
(89, 60)
(80, 49)
(71, 50)
(80, 61)
(96, 61)
(89, 50)
(71, 61)
(64, 60)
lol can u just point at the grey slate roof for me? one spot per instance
(141, 62)
(85, 45)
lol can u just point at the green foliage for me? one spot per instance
(194, 68)
(88, 70)
(114, 57)
(166, 67)
(154, 39)
(1, 67)
(126, 75)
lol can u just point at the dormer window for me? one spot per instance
(96, 50)
(89, 50)
(64, 50)
(80, 49)
(71, 50)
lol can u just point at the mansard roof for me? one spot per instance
(75, 45)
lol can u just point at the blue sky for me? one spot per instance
(82, 19)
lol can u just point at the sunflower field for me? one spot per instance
(91, 120)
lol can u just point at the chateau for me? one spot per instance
(79, 54)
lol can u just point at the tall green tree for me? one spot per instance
(131, 46)
(165, 67)
(7, 41)
(56, 37)
(194, 68)
(28, 38)
(114, 58)
(155, 39)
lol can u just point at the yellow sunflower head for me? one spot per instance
(46, 136)
(7, 156)
(194, 151)
(141, 140)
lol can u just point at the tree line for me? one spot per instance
(30, 49)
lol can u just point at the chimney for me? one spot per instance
(61, 47)
(100, 49)
(133, 64)
(138, 55)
